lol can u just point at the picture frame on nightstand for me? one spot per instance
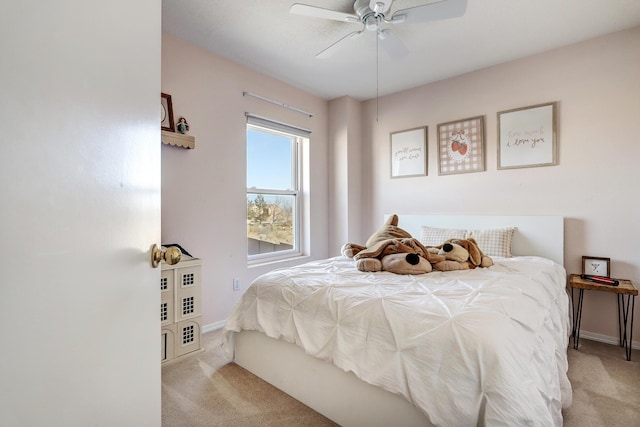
(596, 266)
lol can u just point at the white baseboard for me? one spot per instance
(217, 325)
(607, 339)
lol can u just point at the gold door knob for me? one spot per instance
(171, 256)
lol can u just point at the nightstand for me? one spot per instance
(625, 287)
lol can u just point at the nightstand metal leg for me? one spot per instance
(633, 306)
(620, 321)
(623, 319)
(573, 314)
(577, 319)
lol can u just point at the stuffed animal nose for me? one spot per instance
(413, 259)
(447, 247)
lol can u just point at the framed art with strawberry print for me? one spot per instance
(461, 146)
(527, 137)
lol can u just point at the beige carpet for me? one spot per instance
(205, 389)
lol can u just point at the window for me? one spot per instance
(273, 189)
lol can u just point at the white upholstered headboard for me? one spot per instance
(535, 235)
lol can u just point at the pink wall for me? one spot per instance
(597, 87)
(595, 84)
(345, 171)
(204, 190)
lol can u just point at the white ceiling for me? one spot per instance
(264, 36)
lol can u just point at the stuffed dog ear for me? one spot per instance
(475, 255)
(485, 261)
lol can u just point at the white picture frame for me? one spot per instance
(409, 152)
(527, 137)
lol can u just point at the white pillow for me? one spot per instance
(431, 236)
(494, 242)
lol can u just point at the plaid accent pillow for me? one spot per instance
(431, 236)
(494, 242)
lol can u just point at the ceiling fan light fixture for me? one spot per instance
(372, 22)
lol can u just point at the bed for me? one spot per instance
(473, 347)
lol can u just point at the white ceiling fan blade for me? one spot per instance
(443, 9)
(380, 6)
(331, 49)
(319, 12)
(392, 44)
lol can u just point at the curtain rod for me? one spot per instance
(262, 98)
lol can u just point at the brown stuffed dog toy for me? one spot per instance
(392, 249)
(460, 254)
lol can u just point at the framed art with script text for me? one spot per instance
(409, 152)
(461, 146)
(527, 137)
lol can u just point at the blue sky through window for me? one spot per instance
(268, 160)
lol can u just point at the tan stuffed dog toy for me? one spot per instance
(460, 254)
(389, 230)
(392, 249)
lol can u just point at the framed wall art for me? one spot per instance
(461, 146)
(527, 137)
(409, 152)
(166, 113)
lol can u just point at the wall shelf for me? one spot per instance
(178, 139)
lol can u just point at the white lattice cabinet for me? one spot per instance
(180, 308)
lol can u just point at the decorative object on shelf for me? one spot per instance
(527, 137)
(166, 113)
(409, 152)
(461, 146)
(183, 126)
(178, 139)
(596, 266)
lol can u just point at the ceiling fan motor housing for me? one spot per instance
(370, 18)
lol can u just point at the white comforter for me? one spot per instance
(474, 347)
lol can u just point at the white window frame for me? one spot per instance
(265, 125)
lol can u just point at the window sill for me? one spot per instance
(272, 261)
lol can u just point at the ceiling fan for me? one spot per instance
(373, 13)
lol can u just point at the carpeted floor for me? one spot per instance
(206, 389)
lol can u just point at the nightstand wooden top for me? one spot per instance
(624, 287)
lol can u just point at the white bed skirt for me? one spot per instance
(334, 393)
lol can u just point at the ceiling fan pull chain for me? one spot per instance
(377, 75)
